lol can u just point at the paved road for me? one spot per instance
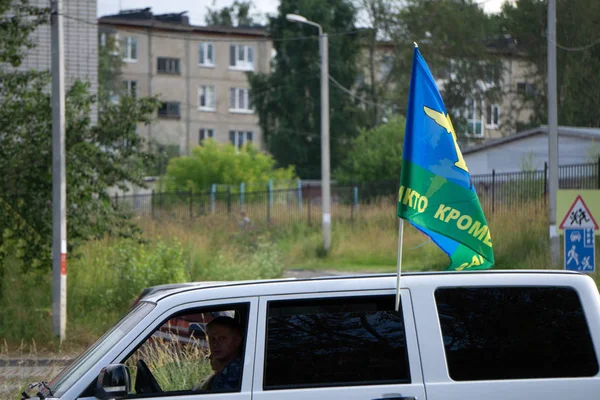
(16, 373)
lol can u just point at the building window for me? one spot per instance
(168, 65)
(474, 118)
(239, 100)
(239, 138)
(241, 57)
(170, 109)
(206, 54)
(206, 98)
(492, 115)
(129, 49)
(205, 134)
(130, 88)
(103, 39)
(525, 88)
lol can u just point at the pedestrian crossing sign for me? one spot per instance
(578, 216)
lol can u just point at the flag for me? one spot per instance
(436, 195)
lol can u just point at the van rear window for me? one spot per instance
(493, 333)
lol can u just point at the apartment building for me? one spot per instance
(484, 120)
(199, 73)
(80, 44)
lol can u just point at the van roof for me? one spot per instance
(346, 282)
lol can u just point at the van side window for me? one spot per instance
(334, 342)
(493, 333)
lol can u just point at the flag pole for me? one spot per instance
(399, 263)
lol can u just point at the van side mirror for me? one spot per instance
(114, 382)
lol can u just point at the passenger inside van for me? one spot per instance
(225, 343)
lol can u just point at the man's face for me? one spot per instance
(223, 342)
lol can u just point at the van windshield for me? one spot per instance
(71, 374)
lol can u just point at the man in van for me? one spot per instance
(225, 343)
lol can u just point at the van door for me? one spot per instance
(169, 360)
(342, 345)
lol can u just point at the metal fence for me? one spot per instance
(498, 193)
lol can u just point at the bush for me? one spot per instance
(258, 260)
(108, 276)
(375, 155)
(223, 164)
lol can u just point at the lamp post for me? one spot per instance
(325, 167)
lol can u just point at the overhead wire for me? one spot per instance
(225, 40)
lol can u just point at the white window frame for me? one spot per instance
(203, 48)
(127, 51)
(239, 101)
(477, 116)
(130, 86)
(209, 133)
(243, 53)
(241, 138)
(489, 116)
(210, 102)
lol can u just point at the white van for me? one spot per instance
(498, 335)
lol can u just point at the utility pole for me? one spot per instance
(325, 167)
(552, 136)
(59, 186)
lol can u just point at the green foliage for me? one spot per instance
(222, 164)
(110, 62)
(375, 154)
(17, 21)
(111, 277)
(259, 260)
(453, 36)
(577, 76)
(288, 102)
(238, 14)
(97, 157)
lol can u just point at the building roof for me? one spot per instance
(584, 133)
(178, 22)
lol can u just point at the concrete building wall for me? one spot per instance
(531, 153)
(81, 44)
(184, 88)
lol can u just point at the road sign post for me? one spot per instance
(579, 246)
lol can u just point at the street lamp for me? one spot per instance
(325, 178)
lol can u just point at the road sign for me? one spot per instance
(578, 216)
(580, 254)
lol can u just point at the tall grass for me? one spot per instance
(175, 365)
(105, 276)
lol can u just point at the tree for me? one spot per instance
(578, 58)
(223, 164)
(238, 14)
(377, 57)
(97, 157)
(110, 62)
(375, 154)
(453, 36)
(17, 21)
(288, 101)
